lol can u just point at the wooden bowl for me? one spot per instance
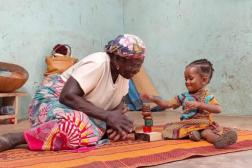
(12, 77)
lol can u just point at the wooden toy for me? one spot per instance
(147, 134)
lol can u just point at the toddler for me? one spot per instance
(197, 105)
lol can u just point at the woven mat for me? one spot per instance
(121, 154)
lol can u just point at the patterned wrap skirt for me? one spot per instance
(56, 126)
(182, 129)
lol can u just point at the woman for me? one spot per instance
(76, 108)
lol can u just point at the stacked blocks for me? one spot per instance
(147, 134)
(148, 122)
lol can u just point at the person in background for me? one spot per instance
(76, 108)
(198, 105)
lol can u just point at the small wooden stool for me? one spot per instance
(11, 99)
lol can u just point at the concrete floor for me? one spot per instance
(231, 160)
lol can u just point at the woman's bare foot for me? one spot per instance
(11, 140)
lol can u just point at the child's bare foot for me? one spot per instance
(195, 136)
(226, 139)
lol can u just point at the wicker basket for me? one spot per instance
(12, 77)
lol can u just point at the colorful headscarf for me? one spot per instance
(126, 45)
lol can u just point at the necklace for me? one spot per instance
(201, 95)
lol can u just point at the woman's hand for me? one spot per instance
(115, 136)
(119, 122)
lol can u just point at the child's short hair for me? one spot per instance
(204, 66)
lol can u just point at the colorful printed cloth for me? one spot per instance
(126, 45)
(181, 129)
(194, 120)
(56, 126)
(182, 98)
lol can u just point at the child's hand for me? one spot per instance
(158, 101)
(190, 105)
(147, 96)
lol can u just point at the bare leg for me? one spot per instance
(209, 136)
(226, 139)
(11, 140)
(220, 141)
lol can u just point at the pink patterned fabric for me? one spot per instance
(56, 126)
(71, 132)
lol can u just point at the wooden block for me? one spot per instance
(147, 129)
(148, 123)
(151, 136)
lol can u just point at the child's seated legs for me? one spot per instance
(223, 140)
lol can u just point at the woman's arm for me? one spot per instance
(113, 134)
(73, 96)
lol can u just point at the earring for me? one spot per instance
(117, 67)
